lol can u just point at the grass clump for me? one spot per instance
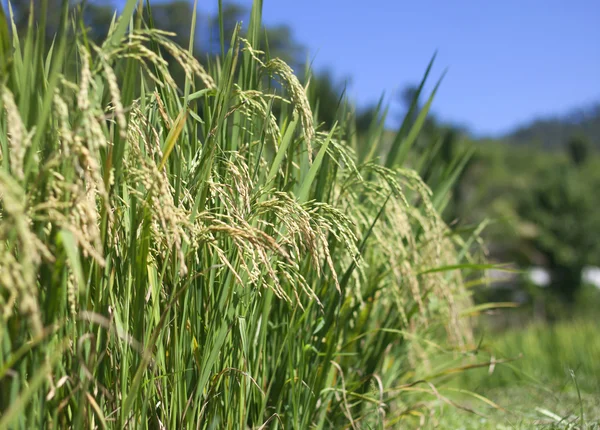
(183, 258)
(545, 356)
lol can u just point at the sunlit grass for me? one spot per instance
(545, 375)
(560, 354)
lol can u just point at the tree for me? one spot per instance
(174, 17)
(579, 149)
(97, 16)
(365, 117)
(563, 207)
(232, 13)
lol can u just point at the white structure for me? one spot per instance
(591, 275)
(539, 276)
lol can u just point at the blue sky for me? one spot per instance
(509, 60)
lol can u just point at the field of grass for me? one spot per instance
(182, 257)
(547, 354)
(554, 381)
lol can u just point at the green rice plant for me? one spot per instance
(182, 258)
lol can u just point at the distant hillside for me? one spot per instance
(555, 132)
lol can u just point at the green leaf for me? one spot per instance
(468, 266)
(281, 151)
(72, 252)
(416, 128)
(398, 143)
(5, 51)
(312, 173)
(476, 310)
(122, 23)
(172, 137)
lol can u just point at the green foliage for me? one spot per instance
(544, 207)
(181, 257)
(562, 206)
(554, 133)
(579, 149)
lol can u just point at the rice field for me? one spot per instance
(207, 255)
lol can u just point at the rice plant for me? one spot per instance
(182, 257)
